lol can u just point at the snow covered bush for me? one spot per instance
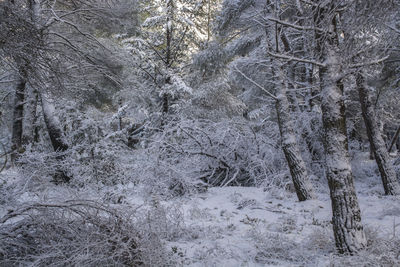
(380, 251)
(279, 249)
(191, 153)
(78, 233)
(276, 249)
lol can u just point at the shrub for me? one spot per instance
(76, 233)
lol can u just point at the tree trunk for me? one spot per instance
(395, 139)
(168, 56)
(291, 149)
(18, 115)
(376, 142)
(53, 126)
(56, 136)
(30, 117)
(346, 219)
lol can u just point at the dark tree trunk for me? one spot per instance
(30, 117)
(168, 56)
(395, 140)
(346, 216)
(291, 149)
(56, 137)
(165, 104)
(18, 115)
(376, 142)
(346, 219)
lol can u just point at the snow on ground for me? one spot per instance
(247, 226)
(232, 218)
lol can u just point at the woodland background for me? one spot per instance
(199, 132)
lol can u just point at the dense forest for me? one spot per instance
(199, 132)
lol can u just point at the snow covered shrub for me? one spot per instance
(77, 233)
(189, 153)
(97, 153)
(321, 239)
(166, 220)
(277, 249)
(210, 60)
(381, 251)
(40, 166)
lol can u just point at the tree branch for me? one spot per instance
(377, 61)
(255, 83)
(295, 26)
(291, 58)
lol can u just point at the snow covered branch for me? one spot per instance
(255, 83)
(291, 58)
(295, 26)
(368, 63)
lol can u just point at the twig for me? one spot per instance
(376, 61)
(5, 162)
(295, 26)
(291, 58)
(255, 83)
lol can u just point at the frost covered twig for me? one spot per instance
(255, 83)
(291, 58)
(295, 26)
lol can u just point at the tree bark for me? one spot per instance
(376, 142)
(56, 136)
(53, 126)
(168, 56)
(30, 117)
(290, 147)
(296, 164)
(395, 139)
(346, 219)
(18, 115)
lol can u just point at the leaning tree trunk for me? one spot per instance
(376, 142)
(56, 136)
(290, 147)
(18, 115)
(346, 219)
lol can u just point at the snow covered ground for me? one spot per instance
(239, 226)
(246, 226)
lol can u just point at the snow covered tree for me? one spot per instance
(171, 31)
(252, 43)
(371, 38)
(342, 44)
(377, 144)
(53, 50)
(324, 18)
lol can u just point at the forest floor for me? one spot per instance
(248, 226)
